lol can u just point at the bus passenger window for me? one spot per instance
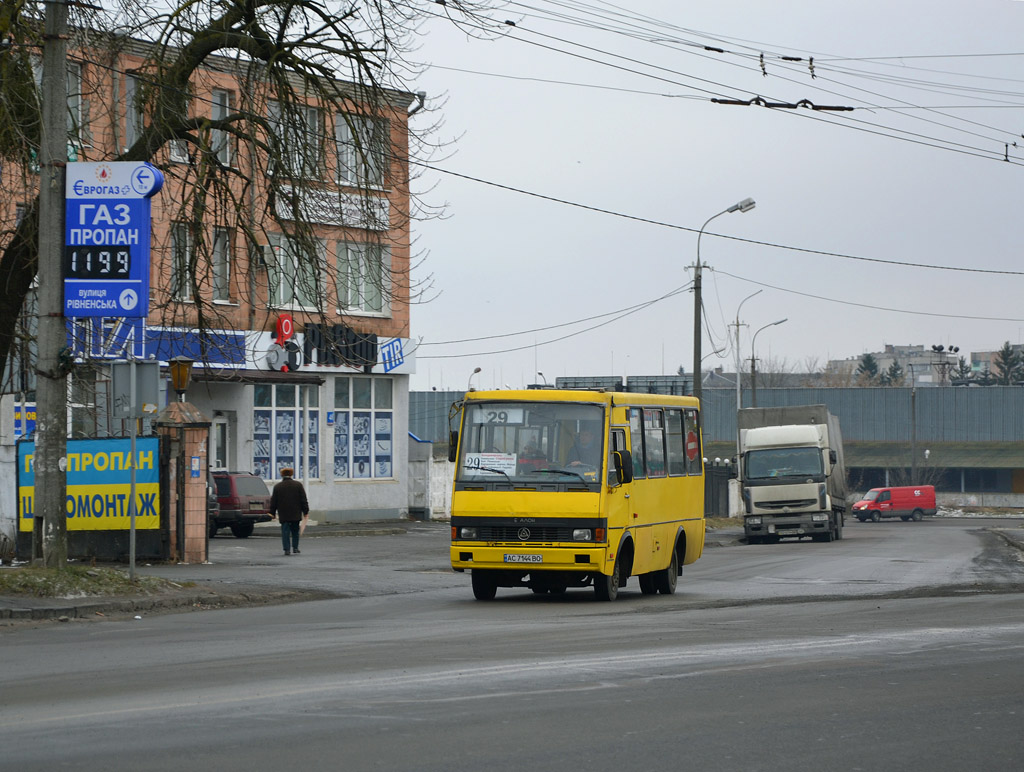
(675, 440)
(654, 442)
(692, 444)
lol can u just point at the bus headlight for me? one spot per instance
(467, 533)
(582, 534)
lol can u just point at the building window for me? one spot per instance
(362, 269)
(278, 436)
(76, 113)
(181, 261)
(362, 150)
(220, 140)
(363, 428)
(294, 273)
(298, 134)
(221, 259)
(133, 123)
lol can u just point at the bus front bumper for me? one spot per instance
(525, 558)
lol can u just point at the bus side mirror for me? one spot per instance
(453, 446)
(623, 466)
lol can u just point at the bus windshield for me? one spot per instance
(784, 462)
(531, 443)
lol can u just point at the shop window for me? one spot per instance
(281, 437)
(363, 428)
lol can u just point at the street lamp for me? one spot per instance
(545, 380)
(753, 361)
(739, 397)
(743, 206)
(469, 384)
(181, 374)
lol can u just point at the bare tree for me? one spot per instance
(318, 79)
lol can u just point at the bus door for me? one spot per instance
(618, 498)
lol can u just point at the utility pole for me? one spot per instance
(51, 386)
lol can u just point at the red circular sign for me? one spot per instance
(692, 445)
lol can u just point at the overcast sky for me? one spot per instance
(609, 108)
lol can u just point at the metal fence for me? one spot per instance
(942, 414)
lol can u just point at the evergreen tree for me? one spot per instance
(962, 373)
(895, 375)
(867, 370)
(1008, 365)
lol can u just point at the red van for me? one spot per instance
(909, 502)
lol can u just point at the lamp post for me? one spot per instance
(739, 393)
(753, 361)
(545, 380)
(945, 360)
(743, 206)
(469, 383)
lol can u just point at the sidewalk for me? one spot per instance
(217, 589)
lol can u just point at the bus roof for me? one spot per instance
(614, 398)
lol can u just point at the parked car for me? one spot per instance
(243, 500)
(908, 502)
(212, 505)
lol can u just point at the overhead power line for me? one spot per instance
(673, 226)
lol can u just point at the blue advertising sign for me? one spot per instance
(106, 238)
(24, 419)
(98, 484)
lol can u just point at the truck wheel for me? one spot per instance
(212, 525)
(647, 584)
(607, 587)
(917, 515)
(484, 586)
(876, 517)
(839, 528)
(242, 530)
(666, 580)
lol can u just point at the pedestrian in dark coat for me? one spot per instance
(289, 505)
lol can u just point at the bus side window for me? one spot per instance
(676, 444)
(694, 466)
(636, 437)
(654, 442)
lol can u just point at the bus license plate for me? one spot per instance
(524, 558)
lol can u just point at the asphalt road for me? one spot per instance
(899, 647)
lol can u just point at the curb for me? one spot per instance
(16, 610)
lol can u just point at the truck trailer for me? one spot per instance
(792, 474)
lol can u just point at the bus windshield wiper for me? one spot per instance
(560, 471)
(495, 471)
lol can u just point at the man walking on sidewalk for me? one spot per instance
(288, 503)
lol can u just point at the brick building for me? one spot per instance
(303, 229)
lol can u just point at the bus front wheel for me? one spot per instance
(607, 587)
(484, 585)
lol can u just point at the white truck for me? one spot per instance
(791, 471)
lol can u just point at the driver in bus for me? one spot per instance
(586, 449)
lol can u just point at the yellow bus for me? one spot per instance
(561, 488)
